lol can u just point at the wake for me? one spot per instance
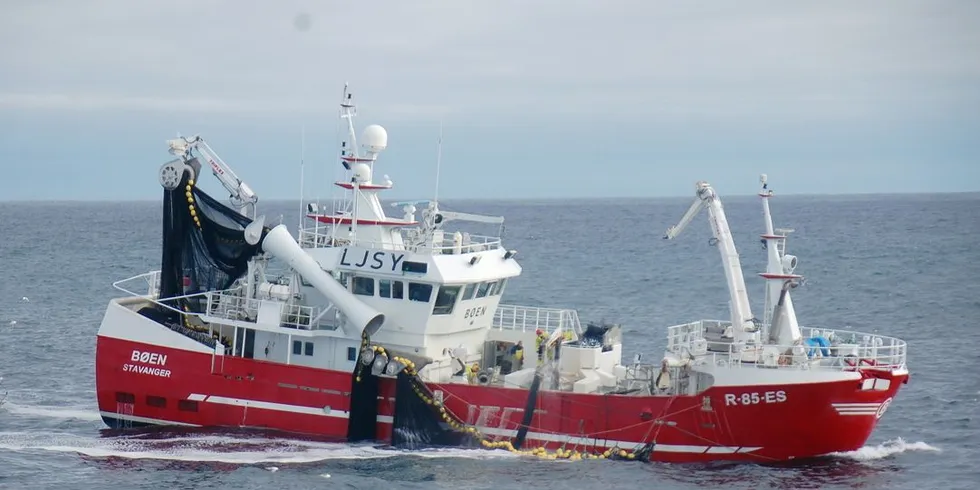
(241, 450)
(70, 413)
(235, 449)
(886, 449)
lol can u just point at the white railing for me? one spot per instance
(321, 237)
(818, 349)
(470, 243)
(151, 282)
(530, 318)
(230, 306)
(689, 335)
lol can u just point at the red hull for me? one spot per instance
(783, 422)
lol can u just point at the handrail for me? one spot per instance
(227, 306)
(532, 318)
(313, 237)
(153, 281)
(821, 349)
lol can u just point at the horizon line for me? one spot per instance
(519, 198)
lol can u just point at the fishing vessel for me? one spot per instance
(391, 329)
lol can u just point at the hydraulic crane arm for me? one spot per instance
(241, 194)
(474, 218)
(692, 211)
(741, 311)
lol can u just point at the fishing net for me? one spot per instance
(421, 420)
(204, 246)
(420, 423)
(362, 420)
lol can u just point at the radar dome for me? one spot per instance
(375, 138)
(362, 172)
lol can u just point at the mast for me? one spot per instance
(781, 327)
(302, 168)
(349, 155)
(435, 197)
(358, 214)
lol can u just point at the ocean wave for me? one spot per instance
(220, 449)
(887, 449)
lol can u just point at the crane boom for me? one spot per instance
(741, 311)
(241, 195)
(692, 211)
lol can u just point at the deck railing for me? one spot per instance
(230, 304)
(819, 348)
(531, 318)
(321, 237)
(149, 281)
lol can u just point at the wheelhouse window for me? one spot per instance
(419, 292)
(446, 300)
(468, 292)
(364, 286)
(483, 289)
(415, 267)
(391, 289)
(500, 287)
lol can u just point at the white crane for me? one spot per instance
(241, 196)
(743, 323)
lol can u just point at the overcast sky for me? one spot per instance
(538, 98)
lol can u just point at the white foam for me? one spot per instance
(77, 413)
(219, 449)
(886, 449)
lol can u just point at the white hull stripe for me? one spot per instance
(494, 431)
(142, 420)
(856, 408)
(279, 407)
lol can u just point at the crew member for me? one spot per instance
(471, 372)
